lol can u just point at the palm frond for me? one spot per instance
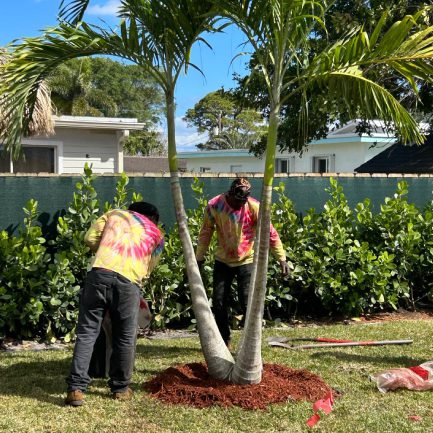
(22, 84)
(39, 114)
(72, 11)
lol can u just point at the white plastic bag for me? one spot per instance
(419, 378)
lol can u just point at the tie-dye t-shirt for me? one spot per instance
(236, 230)
(125, 242)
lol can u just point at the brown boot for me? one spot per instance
(125, 395)
(74, 398)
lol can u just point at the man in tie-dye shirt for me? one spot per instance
(127, 245)
(233, 215)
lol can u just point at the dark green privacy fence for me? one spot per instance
(54, 193)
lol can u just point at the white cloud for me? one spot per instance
(186, 138)
(109, 8)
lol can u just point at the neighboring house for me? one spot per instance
(341, 151)
(402, 159)
(149, 164)
(77, 140)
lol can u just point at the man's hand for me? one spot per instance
(285, 270)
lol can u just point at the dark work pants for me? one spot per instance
(106, 291)
(223, 277)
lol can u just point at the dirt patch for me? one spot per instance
(398, 315)
(191, 385)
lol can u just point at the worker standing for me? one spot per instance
(234, 216)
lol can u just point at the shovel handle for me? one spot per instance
(346, 344)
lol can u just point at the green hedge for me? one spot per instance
(344, 261)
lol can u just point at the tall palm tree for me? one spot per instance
(156, 35)
(280, 32)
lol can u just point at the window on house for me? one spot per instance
(235, 168)
(323, 164)
(35, 159)
(5, 162)
(285, 165)
(204, 169)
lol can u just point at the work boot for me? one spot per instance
(74, 398)
(125, 395)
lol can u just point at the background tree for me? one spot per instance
(145, 143)
(73, 92)
(229, 126)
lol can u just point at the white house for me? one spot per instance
(77, 140)
(341, 151)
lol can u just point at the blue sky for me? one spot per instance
(23, 18)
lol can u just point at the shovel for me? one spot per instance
(328, 342)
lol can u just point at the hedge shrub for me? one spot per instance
(344, 261)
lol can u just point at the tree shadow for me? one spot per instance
(165, 352)
(41, 379)
(396, 361)
(44, 380)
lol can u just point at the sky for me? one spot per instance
(26, 18)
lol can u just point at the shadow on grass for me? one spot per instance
(154, 352)
(43, 379)
(395, 361)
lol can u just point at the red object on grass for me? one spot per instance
(422, 372)
(324, 404)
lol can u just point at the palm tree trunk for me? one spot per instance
(249, 366)
(218, 358)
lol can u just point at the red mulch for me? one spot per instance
(190, 384)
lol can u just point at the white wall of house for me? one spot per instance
(340, 152)
(96, 147)
(218, 161)
(96, 141)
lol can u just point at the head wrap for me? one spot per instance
(240, 189)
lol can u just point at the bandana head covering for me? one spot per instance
(240, 189)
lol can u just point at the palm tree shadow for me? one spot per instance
(165, 352)
(395, 361)
(44, 380)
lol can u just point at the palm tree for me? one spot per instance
(280, 32)
(156, 35)
(72, 91)
(38, 118)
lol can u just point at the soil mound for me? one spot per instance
(190, 384)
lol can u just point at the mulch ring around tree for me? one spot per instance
(191, 385)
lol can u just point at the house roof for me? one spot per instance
(113, 123)
(402, 159)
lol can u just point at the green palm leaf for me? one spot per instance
(72, 11)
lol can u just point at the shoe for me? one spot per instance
(74, 398)
(125, 395)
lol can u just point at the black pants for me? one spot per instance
(223, 277)
(106, 291)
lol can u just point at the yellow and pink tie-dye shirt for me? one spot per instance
(125, 242)
(236, 230)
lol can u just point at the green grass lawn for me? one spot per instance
(32, 388)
